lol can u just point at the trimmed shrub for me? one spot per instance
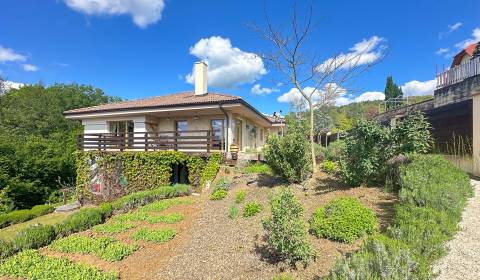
(329, 166)
(251, 209)
(285, 229)
(83, 219)
(32, 265)
(343, 219)
(106, 248)
(258, 168)
(211, 168)
(218, 194)
(289, 156)
(155, 235)
(19, 216)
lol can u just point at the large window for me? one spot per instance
(181, 126)
(217, 127)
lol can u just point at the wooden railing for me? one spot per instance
(188, 141)
(459, 73)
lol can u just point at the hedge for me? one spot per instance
(433, 195)
(140, 170)
(34, 237)
(211, 168)
(19, 216)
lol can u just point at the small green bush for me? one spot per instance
(83, 219)
(164, 204)
(112, 228)
(106, 248)
(329, 166)
(218, 194)
(240, 196)
(30, 264)
(289, 156)
(335, 150)
(233, 212)
(285, 229)
(135, 216)
(283, 276)
(223, 183)
(343, 219)
(251, 209)
(154, 235)
(20, 216)
(258, 168)
(380, 258)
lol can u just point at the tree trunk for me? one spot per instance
(312, 146)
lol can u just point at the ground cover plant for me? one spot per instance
(161, 205)
(343, 219)
(433, 193)
(240, 196)
(32, 265)
(106, 248)
(168, 218)
(154, 235)
(329, 166)
(285, 229)
(38, 236)
(19, 216)
(234, 212)
(251, 209)
(258, 168)
(113, 227)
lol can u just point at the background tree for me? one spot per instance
(318, 82)
(37, 142)
(392, 91)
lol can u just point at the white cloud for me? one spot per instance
(143, 12)
(9, 55)
(365, 52)
(228, 66)
(259, 90)
(442, 51)
(370, 96)
(30, 68)
(342, 100)
(474, 39)
(295, 98)
(414, 88)
(450, 28)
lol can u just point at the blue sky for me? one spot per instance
(137, 50)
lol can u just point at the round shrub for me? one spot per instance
(343, 219)
(219, 194)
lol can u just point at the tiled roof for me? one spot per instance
(275, 119)
(468, 50)
(170, 100)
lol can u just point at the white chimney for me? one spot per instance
(200, 78)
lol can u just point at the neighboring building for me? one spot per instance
(454, 111)
(194, 121)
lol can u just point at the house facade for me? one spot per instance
(192, 121)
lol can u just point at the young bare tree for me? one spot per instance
(318, 82)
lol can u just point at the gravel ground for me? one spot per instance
(222, 248)
(463, 260)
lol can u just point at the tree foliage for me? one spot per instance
(37, 142)
(392, 90)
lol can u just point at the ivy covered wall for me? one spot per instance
(113, 174)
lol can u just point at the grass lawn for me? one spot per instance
(49, 219)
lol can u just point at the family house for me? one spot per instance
(194, 121)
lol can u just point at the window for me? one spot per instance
(181, 126)
(121, 127)
(217, 127)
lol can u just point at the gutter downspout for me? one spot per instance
(227, 148)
